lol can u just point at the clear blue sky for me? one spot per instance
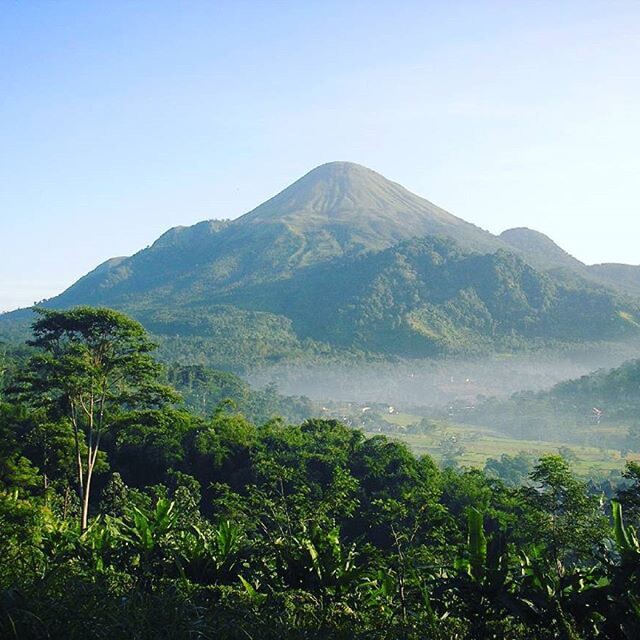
(121, 119)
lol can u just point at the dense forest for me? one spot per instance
(138, 501)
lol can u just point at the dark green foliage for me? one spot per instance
(203, 389)
(210, 526)
(91, 366)
(512, 470)
(629, 492)
(563, 515)
(325, 534)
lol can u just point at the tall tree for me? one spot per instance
(92, 365)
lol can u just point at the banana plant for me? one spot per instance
(626, 538)
(208, 556)
(149, 527)
(334, 565)
(484, 563)
(483, 585)
(148, 532)
(622, 617)
(316, 558)
(100, 541)
(476, 545)
(577, 601)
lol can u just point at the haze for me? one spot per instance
(119, 120)
(436, 382)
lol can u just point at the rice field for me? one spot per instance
(478, 444)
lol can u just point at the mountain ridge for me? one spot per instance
(338, 208)
(542, 252)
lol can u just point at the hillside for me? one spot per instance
(543, 253)
(419, 298)
(540, 250)
(624, 277)
(616, 392)
(597, 409)
(427, 297)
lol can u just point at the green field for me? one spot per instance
(481, 443)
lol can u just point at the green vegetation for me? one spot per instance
(543, 253)
(469, 446)
(418, 299)
(426, 297)
(456, 444)
(202, 524)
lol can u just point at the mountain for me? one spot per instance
(623, 277)
(338, 209)
(346, 259)
(348, 208)
(427, 296)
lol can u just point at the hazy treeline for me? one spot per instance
(601, 408)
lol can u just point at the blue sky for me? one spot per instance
(119, 120)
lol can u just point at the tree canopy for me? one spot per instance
(206, 524)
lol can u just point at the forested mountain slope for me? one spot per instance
(426, 296)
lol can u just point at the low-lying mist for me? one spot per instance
(435, 382)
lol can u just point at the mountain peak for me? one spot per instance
(340, 166)
(349, 173)
(333, 188)
(348, 200)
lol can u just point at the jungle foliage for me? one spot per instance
(204, 524)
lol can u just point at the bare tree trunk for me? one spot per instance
(92, 452)
(84, 518)
(79, 469)
(87, 489)
(92, 456)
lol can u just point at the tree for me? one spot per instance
(561, 513)
(3, 367)
(633, 437)
(512, 470)
(629, 493)
(92, 365)
(16, 469)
